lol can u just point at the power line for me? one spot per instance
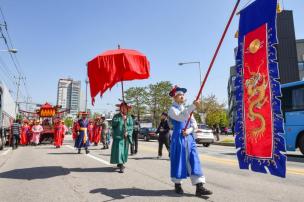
(8, 48)
(6, 69)
(13, 56)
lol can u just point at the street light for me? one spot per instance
(12, 50)
(200, 73)
(86, 98)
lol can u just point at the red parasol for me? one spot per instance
(114, 66)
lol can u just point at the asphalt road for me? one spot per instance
(43, 173)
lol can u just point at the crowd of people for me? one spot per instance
(183, 154)
(26, 132)
(184, 159)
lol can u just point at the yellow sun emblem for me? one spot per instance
(254, 46)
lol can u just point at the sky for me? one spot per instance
(55, 39)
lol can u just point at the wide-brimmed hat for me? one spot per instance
(177, 90)
(123, 103)
(83, 113)
(25, 121)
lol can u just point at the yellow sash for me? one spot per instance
(85, 134)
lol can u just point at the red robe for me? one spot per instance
(91, 131)
(97, 134)
(58, 134)
(75, 130)
(25, 135)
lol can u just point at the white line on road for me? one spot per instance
(6, 152)
(93, 157)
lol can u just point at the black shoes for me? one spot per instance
(178, 189)
(79, 150)
(202, 191)
(121, 168)
(87, 151)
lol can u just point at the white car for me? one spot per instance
(203, 135)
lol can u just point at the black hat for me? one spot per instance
(165, 114)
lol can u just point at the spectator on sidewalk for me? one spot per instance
(134, 145)
(163, 131)
(16, 129)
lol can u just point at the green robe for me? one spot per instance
(120, 146)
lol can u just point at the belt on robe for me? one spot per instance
(85, 134)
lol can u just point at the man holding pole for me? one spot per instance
(122, 125)
(184, 157)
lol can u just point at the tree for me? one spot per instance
(158, 100)
(137, 96)
(216, 114)
(68, 122)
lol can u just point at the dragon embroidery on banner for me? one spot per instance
(256, 87)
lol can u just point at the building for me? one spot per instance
(300, 54)
(289, 52)
(287, 49)
(68, 95)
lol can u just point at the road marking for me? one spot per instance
(230, 162)
(99, 159)
(91, 156)
(6, 152)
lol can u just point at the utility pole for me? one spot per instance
(19, 78)
(86, 98)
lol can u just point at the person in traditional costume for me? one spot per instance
(91, 130)
(82, 139)
(75, 129)
(65, 130)
(58, 133)
(104, 132)
(184, 158)
(25, 130)
(122, 126)
(36, 131)
(97, 131)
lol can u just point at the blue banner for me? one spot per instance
(259, 123)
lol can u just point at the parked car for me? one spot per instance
(226, 131)
(204, 135)
(148, 134)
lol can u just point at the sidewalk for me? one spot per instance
(225, 140)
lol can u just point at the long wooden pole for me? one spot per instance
(214, 56)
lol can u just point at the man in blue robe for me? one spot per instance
(82, 139)
(184, 157)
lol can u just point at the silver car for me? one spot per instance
(203, 135)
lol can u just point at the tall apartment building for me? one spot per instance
(287, 49)
(300, 53)
(68, 95)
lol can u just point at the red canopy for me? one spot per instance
(113, 66)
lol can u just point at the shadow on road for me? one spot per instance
(295, 158)
(48, 172)
(117, 194)
(148, 158)
(62, 153)
(35, 173)
(96, 170)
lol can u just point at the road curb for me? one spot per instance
(228, 144)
